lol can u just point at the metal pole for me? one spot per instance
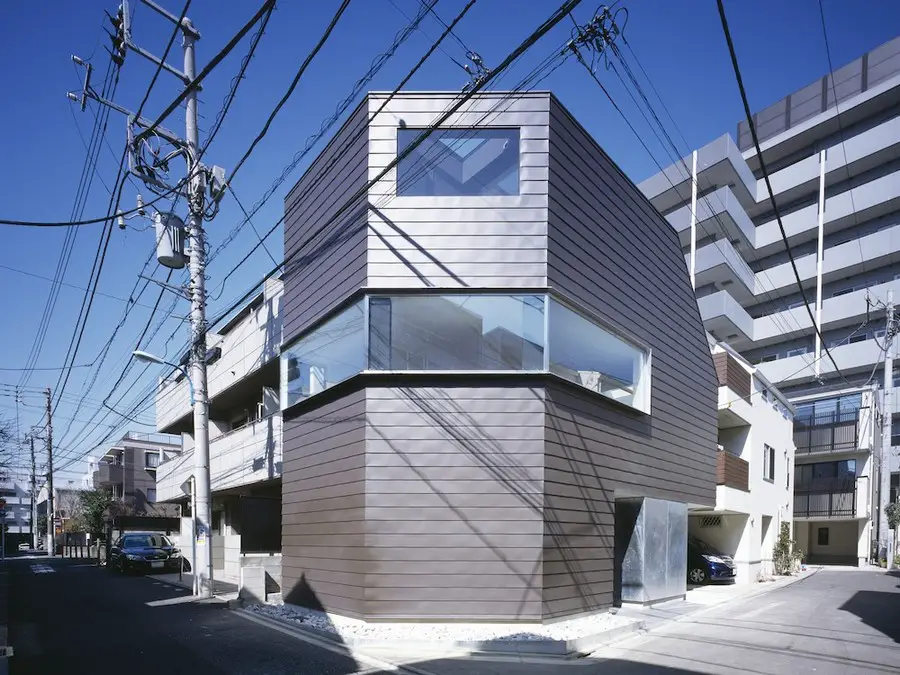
(819, 259)
(884, 469)
(34, 534)
(51, 511)
(694, 221)
(203, 514)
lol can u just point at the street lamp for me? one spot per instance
(147, 357)
(201, 533)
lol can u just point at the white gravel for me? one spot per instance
(443, 632)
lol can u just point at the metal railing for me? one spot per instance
(826, 498)
(832, 432)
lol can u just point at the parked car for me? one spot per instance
(24, 546)
(706, 564)
(143, 552)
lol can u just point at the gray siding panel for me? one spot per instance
(323, 505)
(472, 241)
(311, 288)
(469, 506)
(612, 252)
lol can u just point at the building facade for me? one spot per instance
(17, 515)
(128, 469)
(754, 468)
(497, 393)
(245, 456)
(832, 150)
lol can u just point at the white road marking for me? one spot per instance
(42, 569)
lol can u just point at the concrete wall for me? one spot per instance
(844, 542)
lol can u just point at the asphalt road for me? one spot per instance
(77, 618)
(82, 619)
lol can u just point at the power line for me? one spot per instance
(252, 225)
(765, 173)
(290, 90)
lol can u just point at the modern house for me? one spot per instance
(497, 395)
(129, 468)
(754, 468)
(832, 150)
(245, 438)
(16, 514)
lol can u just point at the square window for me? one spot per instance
(151, 495)
(822, 536)
(151, 460)
(459, 163)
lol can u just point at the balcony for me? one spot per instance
(832, 498)
(732, 471)
(850, 358)
(720, 263)
(717, 210)
(827, 433)
(250, 454)
(108, 474)
(724, 317)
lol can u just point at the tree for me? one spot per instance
(95, 507)
(893, 515)
(786, 554)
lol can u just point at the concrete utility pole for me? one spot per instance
(34, 534)
(151, 168)
(886, 545)
(51, 511)
(197, 237)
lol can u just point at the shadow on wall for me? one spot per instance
(877, 609)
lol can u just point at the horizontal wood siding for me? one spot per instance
(459, 241)
(323, 507)
(453, 506)
(611, 251)
(730, 374)
(732, 471)
(323, 268)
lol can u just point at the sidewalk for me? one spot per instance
(703, 597)
(226, 588)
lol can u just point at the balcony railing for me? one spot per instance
(732, 471)
(826, 498)
(832, 432)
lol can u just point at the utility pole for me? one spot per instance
(151, 164)
(196, 236)
(51, 510)
(34, 535)
(886, 544)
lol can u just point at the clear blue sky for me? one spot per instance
(680, 43)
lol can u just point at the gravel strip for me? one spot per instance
(445, 632)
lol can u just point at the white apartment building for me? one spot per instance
(754, 492)
(16, 513)
(245, 438)
(832, 151)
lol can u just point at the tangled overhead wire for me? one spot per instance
(478, 72)
(599, 34)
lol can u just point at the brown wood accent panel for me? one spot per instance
(732, 471)
(730, 374)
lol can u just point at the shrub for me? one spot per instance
(787, 555)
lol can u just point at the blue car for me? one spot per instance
(144, 552)
(706, 564)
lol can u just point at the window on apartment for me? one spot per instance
(844, 291)
(321, 359)
(799, 351)
(822, 536)
(768, 358)
(459, 163)
(857, 338)
(769, 463)
(151, 460)
(151, 495)
(456, 332)
(583, 352)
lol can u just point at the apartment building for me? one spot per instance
(754, 468)
(498, 398)
(128, 469)
(245, 457)
(16, 514)
(832, 150)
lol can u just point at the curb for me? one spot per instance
(557, 649)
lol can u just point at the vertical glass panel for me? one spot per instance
(587, 354)
(456, 332)
(459, 162)
(328, 355)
